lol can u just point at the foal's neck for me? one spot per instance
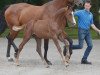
(60, 16)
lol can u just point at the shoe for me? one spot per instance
(86, 62)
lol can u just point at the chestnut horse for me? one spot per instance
(47, 29)
(15, 18)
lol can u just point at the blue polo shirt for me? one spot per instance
(85, 19)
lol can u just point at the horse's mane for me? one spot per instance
(47, 3)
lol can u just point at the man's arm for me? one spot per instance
(95, 28)
(77, 13)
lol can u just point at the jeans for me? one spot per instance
(84, 35)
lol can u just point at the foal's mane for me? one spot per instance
(60, 13)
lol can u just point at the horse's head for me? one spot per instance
(70, 15)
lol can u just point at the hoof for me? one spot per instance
(17, 64)
(67, 66)
(15, 55)
(10, 59)
(49, 63)
(47, 66)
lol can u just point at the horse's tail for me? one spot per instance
(24, 26)
(18, 28)
(3, 24)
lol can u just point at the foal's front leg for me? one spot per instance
(65, 52)
(55, 39)
(26, 38)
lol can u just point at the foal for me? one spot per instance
(47, 29)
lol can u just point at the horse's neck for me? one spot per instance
(46, 4)
(57, 3)
(60, 3)
(52, 6)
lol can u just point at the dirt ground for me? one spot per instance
(31, 64)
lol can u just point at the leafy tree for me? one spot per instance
(95, 10)
(35, 2)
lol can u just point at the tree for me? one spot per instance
(95, 10)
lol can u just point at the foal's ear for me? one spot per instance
(66, 8)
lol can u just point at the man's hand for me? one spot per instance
(99, 32)
(95, 28)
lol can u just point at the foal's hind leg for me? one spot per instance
(25, 40)
(46, 42)
(38, 49)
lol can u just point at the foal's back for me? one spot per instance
(42, 29)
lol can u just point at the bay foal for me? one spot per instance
(48, 29)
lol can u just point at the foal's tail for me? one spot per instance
(3, 24)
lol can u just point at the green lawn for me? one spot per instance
(20, 35)
(72, 32)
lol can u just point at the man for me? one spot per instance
(85, 21)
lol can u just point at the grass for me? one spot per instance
(72, 32)
(20, 35)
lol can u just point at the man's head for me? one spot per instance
(87, 5)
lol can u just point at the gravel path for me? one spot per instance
(31, 63)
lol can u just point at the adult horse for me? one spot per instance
(48, 29)
(52, 7)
